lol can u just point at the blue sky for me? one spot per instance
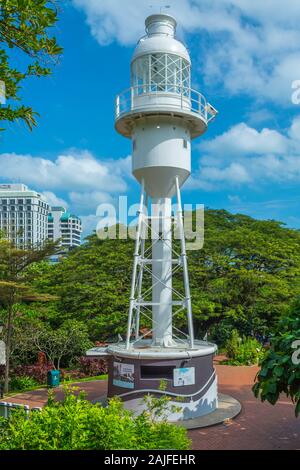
(246, 55)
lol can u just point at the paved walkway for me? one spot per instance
(259, 426)
(38, 398)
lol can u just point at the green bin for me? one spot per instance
(53, 378)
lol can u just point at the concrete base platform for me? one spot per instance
(189, 377)
(228, 408)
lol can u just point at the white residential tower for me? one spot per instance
(65, 227)
(23, 215)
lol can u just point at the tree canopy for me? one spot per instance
(27, 49)
(246, 277)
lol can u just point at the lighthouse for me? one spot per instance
(162, 115)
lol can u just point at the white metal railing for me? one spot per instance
(185, 98)
(7, 408)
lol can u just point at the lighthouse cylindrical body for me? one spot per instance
(162, 272)
(162, 114)
(161, 152)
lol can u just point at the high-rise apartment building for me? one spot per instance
(64, 226)
(23, 215)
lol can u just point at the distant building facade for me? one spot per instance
(64, 226)
(23, 215)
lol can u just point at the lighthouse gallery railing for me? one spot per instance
(185, 99)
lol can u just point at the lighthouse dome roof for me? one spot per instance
(160, 38)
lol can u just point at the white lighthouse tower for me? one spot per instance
(161, 114)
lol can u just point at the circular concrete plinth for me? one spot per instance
(228, 408)
(144, 349)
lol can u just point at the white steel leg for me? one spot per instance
(185, 267)
(140, 281)
(135, 265)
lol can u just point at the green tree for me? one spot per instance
(68, 342)
(26, 323)
(280, 369)
(93, 284)
(245, 277)
(16, 285)
(24, 28)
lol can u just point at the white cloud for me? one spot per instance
(72, 171)
(242, 140)
(81, 179)
(259, 116)
(245, 156)
(53, 200)
(246, 46)
(294, 131)
(89, 223)
(83, 201)
(235, 173)
(234, 199)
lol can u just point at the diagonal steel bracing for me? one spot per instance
(139, 306)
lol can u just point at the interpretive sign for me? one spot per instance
(123, 375)
(183, 377)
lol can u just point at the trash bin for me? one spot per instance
(53, 378)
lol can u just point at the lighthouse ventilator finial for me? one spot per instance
(162, 114)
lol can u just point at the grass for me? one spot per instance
(13, 393)
(86, 379)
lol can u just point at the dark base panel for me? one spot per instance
(134, 378)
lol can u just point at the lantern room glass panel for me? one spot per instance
(161, 73)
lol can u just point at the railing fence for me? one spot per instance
(7, 408)
(190, 99)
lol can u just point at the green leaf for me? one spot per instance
(278, 371)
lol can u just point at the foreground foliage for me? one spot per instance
(280, 369)
(76, 424)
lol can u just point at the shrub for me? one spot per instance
(233, 344)
(92, 367)
(280, 368)
(243, 351)
(20, 384)
(220, 333)
(76, 424)
(36, 372)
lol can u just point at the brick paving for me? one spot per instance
(38, 398)
(259, 425)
